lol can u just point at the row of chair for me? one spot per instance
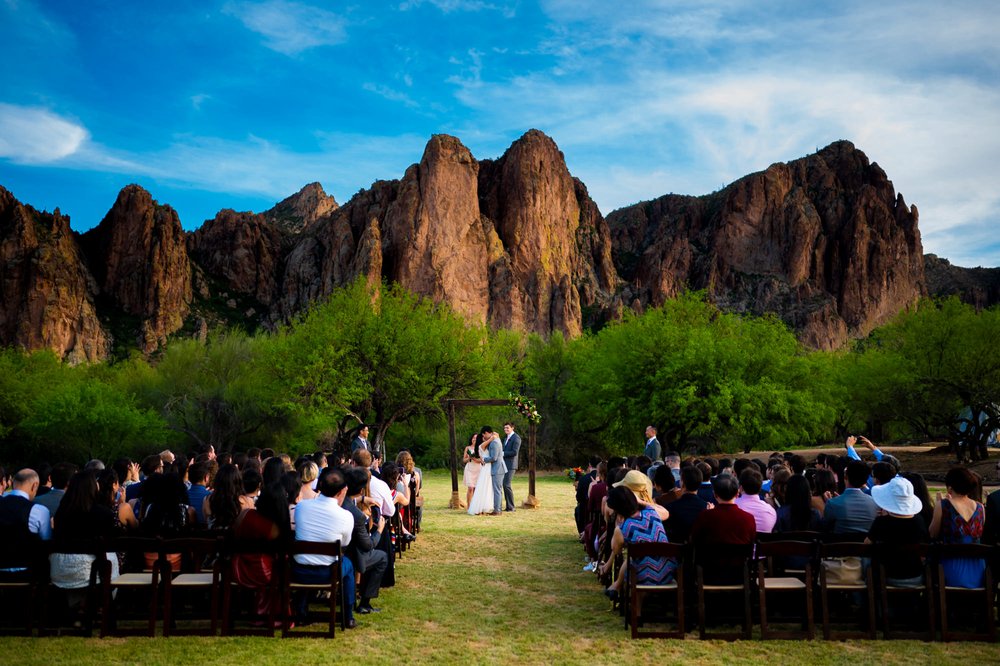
(763, 575)
(207, 567)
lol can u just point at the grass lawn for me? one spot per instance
(505, 589)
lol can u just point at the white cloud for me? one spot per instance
(508, 9)
(390, 94)
(31, 135)
(198, 100)
(290, 27)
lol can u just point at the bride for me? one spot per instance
(482, 498)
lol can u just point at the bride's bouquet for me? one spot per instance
(574, 473)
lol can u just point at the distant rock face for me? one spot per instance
(138, 256)
(823, 241)
(46, 293)
(242, 250)
(979, 287)
(301, 210)
(512, 243)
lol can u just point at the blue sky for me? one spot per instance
(238, 104)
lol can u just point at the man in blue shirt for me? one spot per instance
(854, 511)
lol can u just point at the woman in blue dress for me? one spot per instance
(959, 519)
(637, 522)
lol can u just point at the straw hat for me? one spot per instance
(897, 497)
(639, 484)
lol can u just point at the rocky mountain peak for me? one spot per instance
(302, 209)
(138, 255)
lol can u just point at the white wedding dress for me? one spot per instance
(482, 498)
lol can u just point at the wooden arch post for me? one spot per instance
(456, 501)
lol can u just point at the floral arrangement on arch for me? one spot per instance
(525, 407)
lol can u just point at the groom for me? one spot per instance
(494, 454)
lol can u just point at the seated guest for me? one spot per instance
(59, 477)
(23, 525)
(642, 488)
(901, 524)
(798, 514)
(150, 465)
(80, 518)
(636, 523)
(779, 482)
(724, 524)
(274, 469)
(705, 491)
(392, 475)
(959, 519)
(923, 494)
(252, 482)
(991, 529)
(824, 489)
(369, 562)
(749, 500)
(598, 491)
(269, 521)
(198, 492)
(324, 519)
(292, 485)
(165, 513)
(223, 506)
(664, 490)
(685, 509)
(582, 489)
(853, 511)
(308, 472)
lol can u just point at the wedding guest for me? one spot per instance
(853, 511)
(798, 513)
(686, 509)
(824, 489)
(292, 485)
(59, 478)
(664, 490)
(636, 523)
(779, 482)
(705, 491)
(324, 519)
(726, 523)
(22, 523)
(198, 491)
(582, 490)
(369, 563)
(900, 525)
(749, 500)
(923, 494)
(252, 481)
(223, 506)
(959, 519)
(268, 521)
(652, 449)
(80, 518)
(165, 513)
(308, 473)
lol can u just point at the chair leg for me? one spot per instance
(701, 606)
(748, 626)
(763, 612)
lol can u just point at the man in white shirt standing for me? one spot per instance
(324, 519)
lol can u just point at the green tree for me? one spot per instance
(936, 368)
(697, 373)
(382, 356)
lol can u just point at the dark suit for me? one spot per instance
(511, 446)
(652, 450)
(683, 512)
(991, 529)
(582, 495)
(367, 560)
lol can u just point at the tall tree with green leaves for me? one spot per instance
(382, 355)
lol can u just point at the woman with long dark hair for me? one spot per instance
(797, 514)
(268, 521)
(223, 505)
(80, 517)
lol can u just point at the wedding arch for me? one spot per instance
(452, 405)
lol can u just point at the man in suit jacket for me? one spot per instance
(367, 559)
(511, 445)
(494, 454)
(361, 441)
(652, 450)
(854, 511)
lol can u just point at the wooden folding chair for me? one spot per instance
(148, 581)
(99, 573)
(26, 585)
(985, 593)
(636, 592)
(232, 549)
(769, 553)
(334, 588)
(202, 572)
(883, 553)
(839, 552)
(722, 555)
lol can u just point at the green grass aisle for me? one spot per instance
(505, 589)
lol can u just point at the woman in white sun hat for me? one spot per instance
(899, 524)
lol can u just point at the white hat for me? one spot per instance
(897, 497)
